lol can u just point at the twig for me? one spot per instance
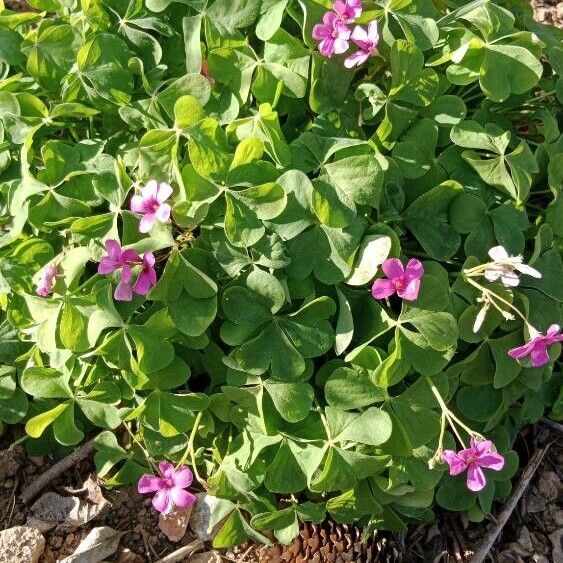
(32, 490)
(183, 553)
(483, 550)
(552, 424)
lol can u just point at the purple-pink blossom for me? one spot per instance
(46, 281)
(405, 282)
(479, 454)
(348, 10)
(125, 260)
(147, 276)
(536, 348)
(169, 487)
(367, 41)
(151, 204)
(333, 35)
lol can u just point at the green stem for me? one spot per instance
(323, 420)
(151, 463)
(190, 450)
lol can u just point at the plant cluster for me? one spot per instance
(279, 244)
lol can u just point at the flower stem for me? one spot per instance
(492, 295)
(189, 451)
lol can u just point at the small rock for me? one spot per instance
(206, 557)
(525, 540)
(175, 524)
(200, 520)
(557, 542)
(21, 544)
(549, 485)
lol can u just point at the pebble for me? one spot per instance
(206, 557)
(201, 516)
(21, 544)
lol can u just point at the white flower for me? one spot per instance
(480, 319)
(506, 267)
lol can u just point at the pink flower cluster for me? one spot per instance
(536, 348)
(169, 487)
(151, 204)
(46, 281)
(405, 282)
(480, 454)
(125, 260)
(334, 35)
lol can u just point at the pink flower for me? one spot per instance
(367, 41)
(536, 348)
(147, 277)
(332, 34)
(348, 10)
(479, 454)
(46, 281)
(151, 204)
(119, 259)
(168, 487)
(405, 282)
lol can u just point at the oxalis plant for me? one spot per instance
(302, 256)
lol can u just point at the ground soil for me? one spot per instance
(549, 11)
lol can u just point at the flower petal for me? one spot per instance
(162, 501)
(144, 283)
(498, 253)
(476, 480)
(148, 484)
(130, 256)
(181, 498)
(113, 248)
(107, 265)
(414, 269)
(326, 47)
(356, 59)
(123, 292)
(528, 270)
(509, 279)
(410, 293)
(341, 45)
(149, 259)
(321, 32)
(150, 190)
(164, 192)
(163, 212)
(382, 289)
(539, 356)
(166, 469)
(183, 477)
(493, 273)
(359, 34)
(373, 32)
(492, 461)
(147, 222)
(393, 268)
(521, 351)
(137, 204)
(457, 464)
(481, 447)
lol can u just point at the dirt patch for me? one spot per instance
(129, 512)
(548, 11)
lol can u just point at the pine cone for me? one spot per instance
(333, 543)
